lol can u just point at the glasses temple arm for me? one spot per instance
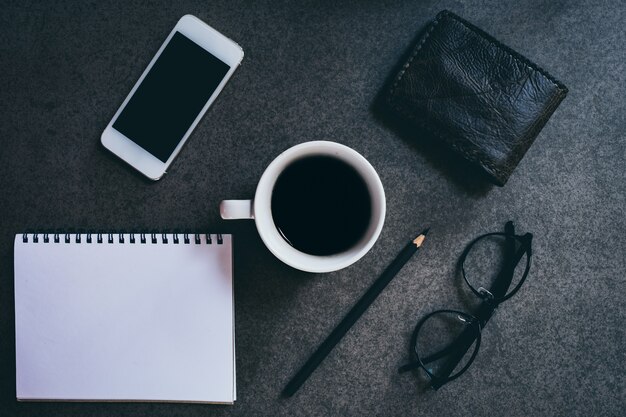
(454, 345)
(503, 281)
(458, 349)
(446, 350)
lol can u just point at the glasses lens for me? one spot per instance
(490, 258)
(446, 342)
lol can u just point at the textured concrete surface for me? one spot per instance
(312, 71)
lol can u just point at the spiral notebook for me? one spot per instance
(124, 317)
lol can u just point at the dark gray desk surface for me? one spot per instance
(312, 70)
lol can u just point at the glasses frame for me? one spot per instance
(481, 292)
(468, 318)
(489, 303)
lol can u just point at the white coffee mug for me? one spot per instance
(260, 209)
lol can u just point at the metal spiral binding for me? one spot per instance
(132, 239)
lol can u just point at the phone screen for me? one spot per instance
(171, 96)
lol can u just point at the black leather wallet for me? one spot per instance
(481, 98)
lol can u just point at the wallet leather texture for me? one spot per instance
(482, 99)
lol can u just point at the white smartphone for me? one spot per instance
(171, 96)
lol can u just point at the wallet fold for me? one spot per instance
(482, 99)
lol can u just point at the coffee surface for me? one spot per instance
(321, 205)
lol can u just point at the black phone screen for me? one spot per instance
(171, 96)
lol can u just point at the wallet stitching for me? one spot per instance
(498, 172)
(414, 54)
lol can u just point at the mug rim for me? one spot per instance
(272, 238)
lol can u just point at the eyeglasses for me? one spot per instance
(445, 342)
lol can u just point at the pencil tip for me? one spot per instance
(420, 239)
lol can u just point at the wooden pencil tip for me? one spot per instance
(420, 239)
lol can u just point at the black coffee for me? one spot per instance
(321, 205)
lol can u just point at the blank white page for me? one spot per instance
(124, 322)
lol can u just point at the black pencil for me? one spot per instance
(353, 315)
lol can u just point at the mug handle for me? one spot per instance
(236, 209)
